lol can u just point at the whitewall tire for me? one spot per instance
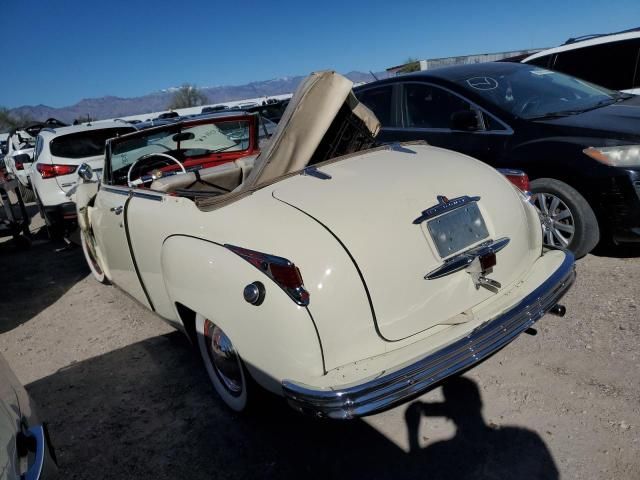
(224, 366)
(92, 258)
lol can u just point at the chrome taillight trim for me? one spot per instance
(299, 295)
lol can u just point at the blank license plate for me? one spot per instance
(458, 229)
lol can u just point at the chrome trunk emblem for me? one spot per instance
(444, 205)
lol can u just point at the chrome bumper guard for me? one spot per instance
(386, 391)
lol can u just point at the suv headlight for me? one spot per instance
(620, 156)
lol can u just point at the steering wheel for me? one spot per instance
(150, 178)
(529, 103)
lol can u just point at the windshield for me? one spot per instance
(196, 142)
(535, 92)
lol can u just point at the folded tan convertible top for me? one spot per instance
(319, 110)
(312, 110)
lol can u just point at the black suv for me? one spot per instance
(579, 143)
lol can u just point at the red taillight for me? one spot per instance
(278, 269)
(48, 170)
(19, 165)
(517, 177)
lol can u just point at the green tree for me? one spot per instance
(411, 64)
(10, 120)
(188, 95)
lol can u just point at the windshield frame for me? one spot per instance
(177, 127)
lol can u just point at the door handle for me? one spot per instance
(117, 210)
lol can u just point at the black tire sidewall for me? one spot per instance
(587, 233)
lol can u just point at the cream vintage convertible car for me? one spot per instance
(346, 277)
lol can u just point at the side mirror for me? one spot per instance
(85, 172)
(466, 120)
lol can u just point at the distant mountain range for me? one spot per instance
(113, 107)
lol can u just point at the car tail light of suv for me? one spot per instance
(48, 170)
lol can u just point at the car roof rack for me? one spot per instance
(596, 35)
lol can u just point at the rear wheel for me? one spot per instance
(229, 377)
(567, 219)
(88, 247)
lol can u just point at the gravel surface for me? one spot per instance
(126, 397)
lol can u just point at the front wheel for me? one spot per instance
(567, 219)
(228, 375)
(88, 247)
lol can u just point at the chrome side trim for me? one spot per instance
(148, 196)
(464, 259)
(385, 391)
(117, 191)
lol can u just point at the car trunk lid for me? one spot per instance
(370, 203)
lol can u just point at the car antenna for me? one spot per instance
(372, 74)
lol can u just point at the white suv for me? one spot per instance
(58, 154)
(611, 60)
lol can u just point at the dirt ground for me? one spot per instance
(125, 396)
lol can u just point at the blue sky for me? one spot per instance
(58, 52)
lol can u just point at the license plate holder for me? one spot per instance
(458, 229)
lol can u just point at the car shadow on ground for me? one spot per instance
(628, 250)
(32, 279)
(148, 411)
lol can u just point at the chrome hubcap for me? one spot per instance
(558, 225)
(223, 357)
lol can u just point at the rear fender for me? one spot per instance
(276, 339)
(84, 197)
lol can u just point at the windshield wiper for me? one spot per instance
(549, 115)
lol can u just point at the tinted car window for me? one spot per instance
(379, 101)
(611, 65)
(84, 144)
(428, 106)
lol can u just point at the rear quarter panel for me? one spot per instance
(180, 254)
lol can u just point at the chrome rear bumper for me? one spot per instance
(386, 391)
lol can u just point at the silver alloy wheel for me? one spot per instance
(224, 358)
(558, 224)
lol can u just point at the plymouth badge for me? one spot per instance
(444, 205)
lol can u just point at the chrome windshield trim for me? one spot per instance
(464, 259)
(386, 391)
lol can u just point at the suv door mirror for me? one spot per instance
(85, 172)
(466, 120)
